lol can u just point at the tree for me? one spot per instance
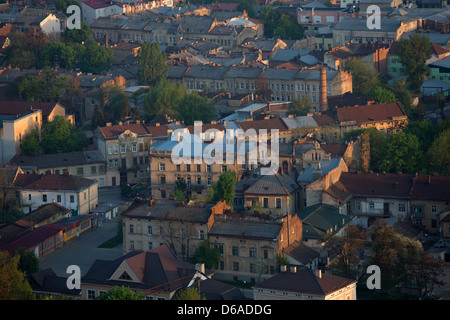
(364, 75)
(262, 88)
(121, 293)
(47, 86)
(224, 189)
(152, 64)
(95, 58)
(280, 25)
(438, 155)
(163, 99)
(25, 48)
(207, 255)
(61, 135)
(13, 284)
(78, 35)
(300, 106)
(377, 144)
(31, 143)
(190, 293)
(415, 69)
(194, 107)
(402, 154)
(28, 262)
(57, 53)
(345, 249)
(116, 106)
(382, 95)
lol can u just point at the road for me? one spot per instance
(83, 251)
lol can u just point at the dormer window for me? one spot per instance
(125, 276)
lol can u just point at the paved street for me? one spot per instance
(83, 251)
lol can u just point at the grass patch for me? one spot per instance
(111, 243)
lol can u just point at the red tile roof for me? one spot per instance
(23, 107)
(207, 126)
(32, 238)
(268, 124)
(428, 187)
(111, 132)
(97, 4)
(52, 182)
(158, 131)
(371, 113)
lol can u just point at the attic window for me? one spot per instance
(125, 276)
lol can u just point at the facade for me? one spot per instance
(182, 227)
(72, 192)
(294, 283)
(89, 164)
(47, 23)
(126, 149)
(429, 197)
(249, 244)
(13, 129)
(93, 9)
(150, 272)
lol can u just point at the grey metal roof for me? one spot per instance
(300, 122)
(280, 74)
(352, 24)
(207, 72)
(246, 229)
(242, 72)
(325, 166)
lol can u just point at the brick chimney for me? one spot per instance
(323, 89)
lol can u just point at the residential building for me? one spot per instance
(49, 213)
(49, 109)
(89, 164)
(249, 244)
(371, 195)
(429, 197)
(355, 30)
(444, 222)
(47, 23)
(149, 224)
(13, 128)
(158, 274)
(75, 225)
(72, 192)
(320, 223)
(125, 148)
(45, 283)
(302, 284)
(41, 241)
(300, 255)
(93, 9)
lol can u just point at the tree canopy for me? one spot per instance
(152, 64)
(364, 75)
(300, 106)
(224, 189)
(281, 25)
(121, 293)
(13, 283)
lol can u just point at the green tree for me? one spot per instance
(280, 25)
(190, 293)
(28, 262)
(438, 154)
(382, 95)
(152, 64)
(418, 47)
(402, 154)
(61, 135)
(48, 85)
(207, 255)
(13, 283)
(78, 35)
(364, 75)
(25, 48)
(31, 143)
(195, 107)
(300, 106)
(163, 99)
(224, 189)
(377, 142)
(116, 106)
(95, 58)
(57, 53)
(121, 293)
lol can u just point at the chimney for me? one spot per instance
(318, 273)
(323, 89)
(200, 267)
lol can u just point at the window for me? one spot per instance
(209, 181)
(433, 209)
(235, 266)
(224, 168)
(131, 245)
(134, 147)
(162, 167)
(278, 202)
(235, 251)
(44, 198)
(131, 228)
(123, 148)
(58, 198)
(199, 180)
(371, 206)
(266, 254)
(163, 179)
(401, 207)
(201, 234)
(199, 168)
(178, 167)
(116, 149)
(252, 252)
(149, 230)
(91, 294)
(266, 202)
(208, 168)
(72, 199)
(93, 169)
(188, 168)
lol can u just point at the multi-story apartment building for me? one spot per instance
(201, 168)
(250, 244)
(125, 148)
(284, 85)
(72, 192)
